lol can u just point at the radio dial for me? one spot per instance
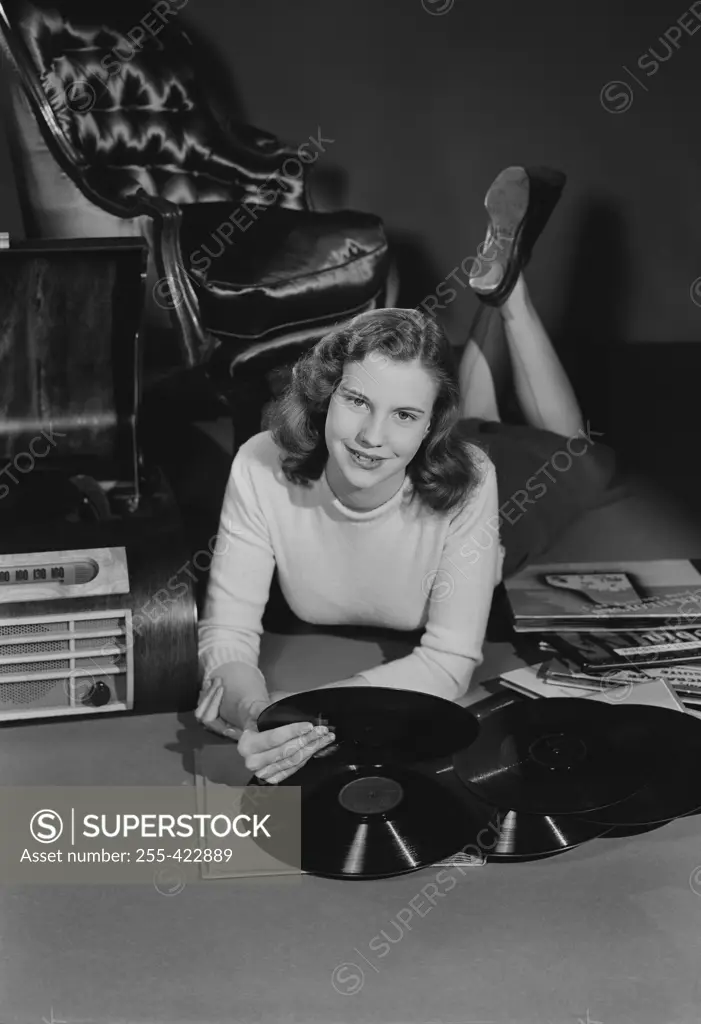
(99, 694)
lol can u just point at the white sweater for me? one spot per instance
(399, 566)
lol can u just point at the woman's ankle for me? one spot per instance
(518, 301)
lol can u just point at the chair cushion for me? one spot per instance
(261, 272)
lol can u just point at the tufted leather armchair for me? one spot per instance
(118, 127)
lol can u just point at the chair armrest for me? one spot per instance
(173, 290)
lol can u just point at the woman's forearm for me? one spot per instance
(245, 693)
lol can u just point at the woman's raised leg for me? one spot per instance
(542, 387)
(481, 370)
(519, 203)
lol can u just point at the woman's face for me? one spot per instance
(380, 408)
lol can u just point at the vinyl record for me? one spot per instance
(375, 821)
(526, 836)
(378, 724)
(673, 742)
(560, 755)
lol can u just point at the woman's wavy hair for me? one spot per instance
(444, 469)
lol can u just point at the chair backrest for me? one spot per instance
(102, 104)
(125, 102)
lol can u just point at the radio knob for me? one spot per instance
(99, 694)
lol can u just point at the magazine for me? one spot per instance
(605, 596)
(684, 679)
(656, 692)
(600, 652)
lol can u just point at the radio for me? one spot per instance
(97, 589)
(99, 616)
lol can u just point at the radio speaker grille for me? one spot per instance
(60, 664)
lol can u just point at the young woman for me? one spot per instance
(388, 492)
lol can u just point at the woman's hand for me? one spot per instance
(277, 753)
(208, 711)
(272, 755)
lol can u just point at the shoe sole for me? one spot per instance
(506, 203)
(544, 188)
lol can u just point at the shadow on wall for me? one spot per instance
(218, 77)
(644, 396)
(596, 301)
(418, 273)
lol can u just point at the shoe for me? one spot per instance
(519, 203)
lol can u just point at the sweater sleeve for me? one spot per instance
(460, 594)
(239, 579)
